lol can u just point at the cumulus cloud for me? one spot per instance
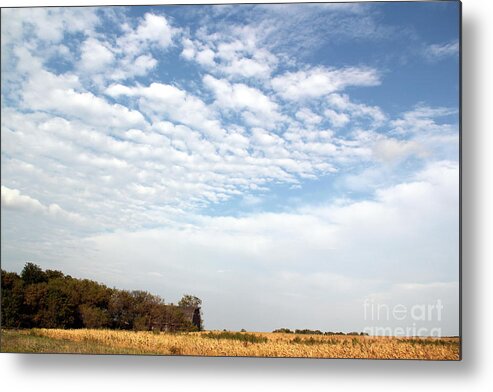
(235, 53)
(153, 29)
(46, 24)
(159, 99)
(58, 93)
(336, 119)
(95, 56)
(14, 199)
(345, 109)
(130, 54)
(308, 117)
(317, 82)
(239, 96)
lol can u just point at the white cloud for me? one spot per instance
(350, 110)
(95, 56)
(162, 101)
(393, 150)
(14, 199)
(260, 67)
(129, 54)
(308, 117)
(188, 51)
(172, 167)
(437, 52)
(262, 137)
(58, 93)
(153, 29)
(235, 53)
(47, 24)
(335, 118)
(239, 96)
(318, 82)
(143, 64)
(206, 57)
(422, 120)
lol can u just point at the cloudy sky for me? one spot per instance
(284, 163)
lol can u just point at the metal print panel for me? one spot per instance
(268, 180)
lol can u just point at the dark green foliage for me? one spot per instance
(93, 317)
(51, 274)
(312, 341)
(121, 310)
(50, 299)
(282, 330)
(190, 300)
(316, 332)
(308, 332)
(12, 300)
(32, 274)
(242, 337)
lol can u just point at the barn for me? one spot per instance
(192, 314)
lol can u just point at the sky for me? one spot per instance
(291, 165)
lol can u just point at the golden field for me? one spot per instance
(92, 341)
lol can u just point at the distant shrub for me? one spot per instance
(242, 337)
(308, 332)
(312, 341)
(282, 330)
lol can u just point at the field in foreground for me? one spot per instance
(87, 341)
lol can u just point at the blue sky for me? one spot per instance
(282, 162)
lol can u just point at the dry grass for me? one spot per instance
(201, 343)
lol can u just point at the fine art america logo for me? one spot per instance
(401, 320)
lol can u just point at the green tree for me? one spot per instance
(121, 310)
(13, 312)
(32, 274)
(50, 299)
(93, 317)
(190, 301)
(34, 300)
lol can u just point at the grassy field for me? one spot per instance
(87, 341)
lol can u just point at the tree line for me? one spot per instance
(51, 299)
(316, 332)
